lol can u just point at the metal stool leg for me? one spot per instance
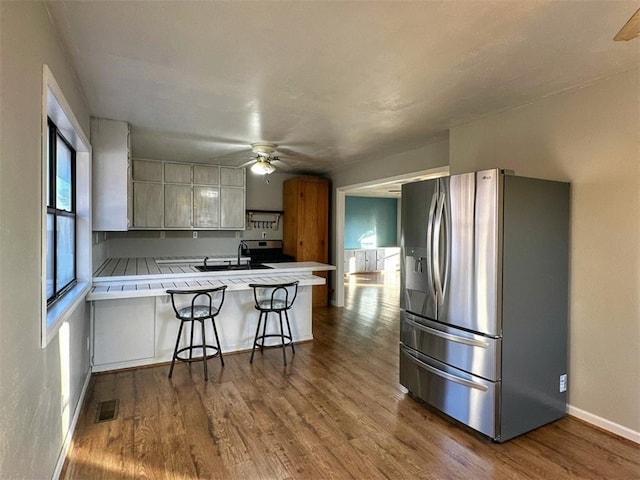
(264, 330)
(255, 339)
(191, 341)
(204, 351)
(286, 316)
(175, 350)
(284, 350)
(215, 332)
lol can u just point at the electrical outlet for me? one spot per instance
(195, 234)
(87, 344)
(563, 383)
(162, 234)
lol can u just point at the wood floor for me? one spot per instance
(337, 411)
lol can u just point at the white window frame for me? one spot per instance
(55, 105)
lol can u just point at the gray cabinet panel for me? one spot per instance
(177, 172)
(206, 174)
(177, 206)
(232, 213)
(147, 171)
(206, 207)
(232, 177)
(147, 205)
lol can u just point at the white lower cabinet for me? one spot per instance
(371, 260)
(138, 331)
(123, 330)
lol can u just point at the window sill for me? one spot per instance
(62, 309)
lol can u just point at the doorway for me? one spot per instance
(389, 187)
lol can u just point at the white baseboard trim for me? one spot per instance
(72, 428)
(605, 424)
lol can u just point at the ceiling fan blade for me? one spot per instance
(280, 164)
(631, 29)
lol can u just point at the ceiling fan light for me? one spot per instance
(262, 167)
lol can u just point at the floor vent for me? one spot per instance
(107, 411)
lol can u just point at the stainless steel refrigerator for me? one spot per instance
(483, 334)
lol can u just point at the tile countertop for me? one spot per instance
(145, 277)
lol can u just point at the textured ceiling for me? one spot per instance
(332, 83)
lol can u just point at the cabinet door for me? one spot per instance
(349, 261)
(361, 260)
(147, 171)
(232, 214)
(206, 174)
(110, 172)
(123, 330)
(177, 206)
(380, 259)
(147, 205)
(313, 222)
(232, 177)
(177, 173)
(206, 207)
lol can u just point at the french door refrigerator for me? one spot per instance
(484, 292)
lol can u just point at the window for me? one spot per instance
(66, 212)
(61, 214)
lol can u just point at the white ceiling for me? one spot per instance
(332, 83)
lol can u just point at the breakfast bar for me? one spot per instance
(133, 322)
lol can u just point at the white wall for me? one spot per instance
(39, 388)
(591, 138)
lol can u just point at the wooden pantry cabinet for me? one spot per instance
(306, 225)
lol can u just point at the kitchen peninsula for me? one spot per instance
(133, 323)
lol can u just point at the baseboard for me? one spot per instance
(72, 428)
(605, 424)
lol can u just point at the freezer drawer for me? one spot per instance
(471, 400)
(473, 353)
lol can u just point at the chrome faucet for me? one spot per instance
(242, 244)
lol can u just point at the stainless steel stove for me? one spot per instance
(265, 251)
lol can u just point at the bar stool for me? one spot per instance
(273, 298)
(205, 303)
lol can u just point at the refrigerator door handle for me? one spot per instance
(445, 375)
(430, 258)
(436, 251)
(447, 336)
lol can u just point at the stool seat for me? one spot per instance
(198, 312)
(272, 305)
(275, 298)
(202, 304)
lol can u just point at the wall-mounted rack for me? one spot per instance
(263, 219)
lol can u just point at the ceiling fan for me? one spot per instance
(263, 164)
(631, 29)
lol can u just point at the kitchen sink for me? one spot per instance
(225, 268)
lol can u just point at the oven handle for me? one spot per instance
(445, 375)
(447, 336)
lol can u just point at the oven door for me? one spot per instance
(467, 351)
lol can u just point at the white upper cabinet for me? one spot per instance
(177, 173)
(232, 177)
(110, 172)
(186, 196)
(206, 175)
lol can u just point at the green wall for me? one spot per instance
(370, 222)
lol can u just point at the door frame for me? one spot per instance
(342, 192)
